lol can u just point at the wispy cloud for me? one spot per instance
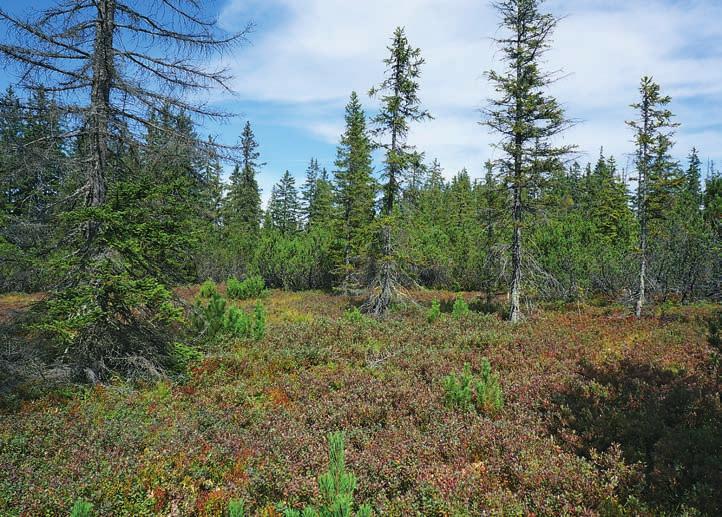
(312, 53)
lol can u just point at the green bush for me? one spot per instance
(210, 318)
(251, 287)
(461, 308)
(184, 355)
(208, 289)
(237, 323)
(216, 318)
(81, 508)
(354, 316)
(467, 391)
(434, 312)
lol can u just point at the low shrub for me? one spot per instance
(183, 355)
(258, 329)
(355, 316)
(216, 318)
(208, 289)
(210, 318)
(468, 392)
(251, 287)
(434, 312)
(460, 309)
(237, 323)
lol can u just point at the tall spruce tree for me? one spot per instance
(525, 115)
(242, 210)
(284, 206)
(355, 187)
(653, 129)
(309, 189)
(400, 106)
(694, 176)
(492, 206)
(320, 210)
(212, 195)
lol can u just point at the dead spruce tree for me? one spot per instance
(525, 116)
(111, 66)
(653, 132)
(400, 105)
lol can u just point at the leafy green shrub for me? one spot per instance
(208, 289)
(237, 508)
(251, 287)
(434, 312)
(461, 308)
(336, 486)
(81, 508)
(467, 391)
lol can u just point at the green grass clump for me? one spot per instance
(355, 316)
(237, 508)
(468, 391)
(81, 508)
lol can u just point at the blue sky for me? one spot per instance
(305, 57)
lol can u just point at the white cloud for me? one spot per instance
(312, 53)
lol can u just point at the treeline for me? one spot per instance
(582, 237)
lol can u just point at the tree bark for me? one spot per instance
(642, 202)
(100, 110)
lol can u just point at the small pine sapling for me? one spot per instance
(336, 486)
(467, 391)
(434, 312)
(208, 289)
(258, 329)
(461, 308)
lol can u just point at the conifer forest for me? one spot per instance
(537, 334)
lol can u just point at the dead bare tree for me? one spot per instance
(111, 66)
(111, 63)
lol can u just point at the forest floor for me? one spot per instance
(602, 415)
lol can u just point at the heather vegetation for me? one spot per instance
(579, 410)
(385, 337)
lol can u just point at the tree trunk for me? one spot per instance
(642, 202)
(100, 110)
(515, 314)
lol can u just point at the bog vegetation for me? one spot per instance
(543, 340)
